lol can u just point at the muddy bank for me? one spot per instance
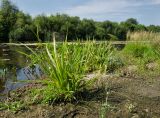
(126, 98)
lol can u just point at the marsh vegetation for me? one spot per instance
(80, 72)
(88, 76)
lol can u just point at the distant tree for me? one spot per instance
(132, 21)
(56, 22)
(110, 29)
(16, 26)
(100, 31)
(43, 27)
(140, 27)
(22, 19)
(108, 26)
(69, 27)
(130, 24)
(86, 29)
(153, 28)
(22, 29)
(73, 30)
(8, 18)
(120, 32)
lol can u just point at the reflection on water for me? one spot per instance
(14, 68)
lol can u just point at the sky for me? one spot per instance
(145, 11)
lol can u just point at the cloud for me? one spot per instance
(94, 7)
(145, 11)
(157, 2)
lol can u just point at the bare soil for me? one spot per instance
(128, 98)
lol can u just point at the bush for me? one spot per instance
(114, 63)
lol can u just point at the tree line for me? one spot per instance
(16, 26)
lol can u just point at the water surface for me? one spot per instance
(15, 68)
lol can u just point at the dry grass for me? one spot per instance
(143, 36)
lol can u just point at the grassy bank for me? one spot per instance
(94, 76)
(144, 57)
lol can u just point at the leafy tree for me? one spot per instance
(22, 29)
(7, 19)
(120, 32)
(140, 27)
(132, 21)
(22, 34)
(100, 31)
(153, 28)
(69, 27)
(110, 28)
(56, 22)
(16, 26)
(42, 25)
(130, 24)
(86, 29)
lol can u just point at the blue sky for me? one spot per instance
(145, 11)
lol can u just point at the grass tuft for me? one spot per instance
(65, 66)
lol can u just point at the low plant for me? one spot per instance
(65, 66)
(106, 106)
(144, 51)
(114, 63)
(142, 55)
(12, 106)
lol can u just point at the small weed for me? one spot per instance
(12, 106)
(105, 107)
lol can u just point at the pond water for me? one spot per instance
(15, 69)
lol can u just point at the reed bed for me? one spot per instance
(143, 36)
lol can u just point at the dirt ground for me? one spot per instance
(126, 98)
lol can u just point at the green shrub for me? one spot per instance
(114, 63)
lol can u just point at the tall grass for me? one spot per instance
(143, 36)
(142, 54)
(148, 49)
(143, 51)
(66, 64)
